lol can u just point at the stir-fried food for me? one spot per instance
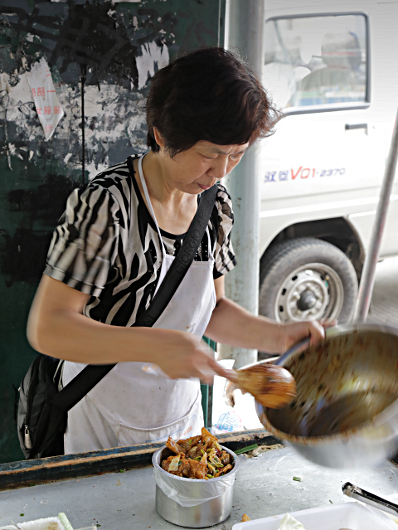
(200, 457)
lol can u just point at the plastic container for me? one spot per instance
(349, 515)
(192, 503)
(59, 522)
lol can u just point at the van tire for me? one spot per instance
(307, 279)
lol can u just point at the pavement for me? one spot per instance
(384, 303)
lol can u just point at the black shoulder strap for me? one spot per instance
(80, 385)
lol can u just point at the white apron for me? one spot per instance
(136, 402)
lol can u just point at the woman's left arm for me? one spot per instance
(233, 325)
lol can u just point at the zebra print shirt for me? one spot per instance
(107, 246)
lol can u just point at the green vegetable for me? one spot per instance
(246, 449)
(209, 476)
(297, 478)
(21, 514)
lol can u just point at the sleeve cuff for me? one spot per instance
(75, 283)
(225, 269)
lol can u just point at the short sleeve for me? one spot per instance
(224, 252)
(84, 245)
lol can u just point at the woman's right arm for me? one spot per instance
(57, 327)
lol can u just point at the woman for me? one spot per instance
(118, 239)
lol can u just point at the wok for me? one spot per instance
(345, 413)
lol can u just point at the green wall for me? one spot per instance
(96, 52)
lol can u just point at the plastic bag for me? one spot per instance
(224, 417)
(191, 492)
(228, 421)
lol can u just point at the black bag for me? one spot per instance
(38, 387)
(42, 408)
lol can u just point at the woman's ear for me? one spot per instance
(158, 138)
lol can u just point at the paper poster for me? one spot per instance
(46, 101)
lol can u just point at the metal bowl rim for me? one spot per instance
(378, 420)
(196, 480)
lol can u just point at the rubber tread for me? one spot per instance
(289, 255)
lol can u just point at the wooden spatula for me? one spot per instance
(271, 385)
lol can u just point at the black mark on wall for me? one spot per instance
(23, 255)
(46, 201)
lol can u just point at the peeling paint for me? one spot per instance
(94, 169)
(153, 58)
(112, 114)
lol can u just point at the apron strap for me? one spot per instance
(151, 211)
(148, 200)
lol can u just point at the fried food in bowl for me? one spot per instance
(199, 457)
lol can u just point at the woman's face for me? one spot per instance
(201, 166)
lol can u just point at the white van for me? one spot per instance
(333, 69)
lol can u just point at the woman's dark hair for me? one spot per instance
(210, 94)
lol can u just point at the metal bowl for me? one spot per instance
(345, 413)
(202, 515)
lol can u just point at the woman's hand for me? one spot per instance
(233, 325)
(295, 332)
(186, 355)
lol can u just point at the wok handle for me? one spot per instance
(299, 346)
(354, 492)
(302, 345)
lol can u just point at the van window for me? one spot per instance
(316, 60)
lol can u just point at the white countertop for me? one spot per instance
(126, 501)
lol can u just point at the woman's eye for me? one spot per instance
(208, 157)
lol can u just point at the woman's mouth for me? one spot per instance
(203, 187)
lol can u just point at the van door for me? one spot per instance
(327, 157)
(329, 151)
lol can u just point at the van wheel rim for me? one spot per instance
(310, 292)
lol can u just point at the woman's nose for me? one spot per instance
(219, 169)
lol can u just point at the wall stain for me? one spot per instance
(46, 201)
(23, 254)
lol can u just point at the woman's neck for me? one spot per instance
(174, 209)
(158, 181)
